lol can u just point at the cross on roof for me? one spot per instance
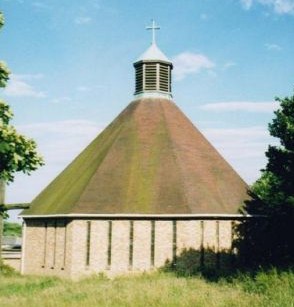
(153, 27)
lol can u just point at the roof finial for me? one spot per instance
(153, 27)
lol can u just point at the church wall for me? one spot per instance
(34, 257)
(99, 246)
(82, 247)
(120, 246)
(44, 248)
(189, 237)
(163, 242)
(142, 246)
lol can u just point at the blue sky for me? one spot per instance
(72, 72)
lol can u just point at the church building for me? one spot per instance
(147, 188)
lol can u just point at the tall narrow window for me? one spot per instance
(64, 244)
(233, 250)
(174, 242)
(131, 246)
(109, 245)
(88, 243)
(202, 244)
(152, 243)
(217, 246)
(54, 244)
(45, 244)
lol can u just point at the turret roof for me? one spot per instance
(153, 53)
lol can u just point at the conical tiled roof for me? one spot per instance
(149, 160)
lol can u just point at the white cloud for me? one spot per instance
(246, 4)
(229, 64)
(83, 88)
(63, 99)
(243, 148)
(83, 20)
(40, 5)
(190, 63)
(247, 106)
(29, 77)
(18, 86)
(278, 6)
(66, 128)
(273, 47)
(59, 143)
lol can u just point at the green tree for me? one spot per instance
(12, 229)
(269, 240)
(17, 153)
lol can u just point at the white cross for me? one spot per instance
(153, 27)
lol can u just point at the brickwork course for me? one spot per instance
(90, 250)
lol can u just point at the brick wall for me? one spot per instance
(72, 248)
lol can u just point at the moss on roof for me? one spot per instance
(150, 159)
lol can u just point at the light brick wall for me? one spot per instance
(44, 248)
(99, 245)
(209, 238)
(225, 235)
(120, 246)
(77, 249)
(35, 247)
(163, 242)
(142, 246)
(189, 235)
(67, 252)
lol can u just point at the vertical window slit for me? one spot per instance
(217, 246)
(54, 244)
(88, 243)
(152, 243)
(174, 242)
(202, 244)
(45, 245)
(233, 251)
(109, 244)
(64, 244)
(131, 246)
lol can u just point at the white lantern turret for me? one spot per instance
(153, 72)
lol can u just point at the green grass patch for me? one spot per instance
(270, 288)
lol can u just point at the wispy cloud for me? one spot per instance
(84, 20)
(243, 148)
(67, 127)
(59, 142)
(83, 88)
(247, 106)
(63, 99)
(273, 47)
(40, 5)
(278, 6)
(229, 64)
(18, 86)
(187, 63)
(246, 4)
(29, 77)
(203, 16)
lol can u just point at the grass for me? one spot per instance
(270, 288)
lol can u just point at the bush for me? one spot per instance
(6, 270)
